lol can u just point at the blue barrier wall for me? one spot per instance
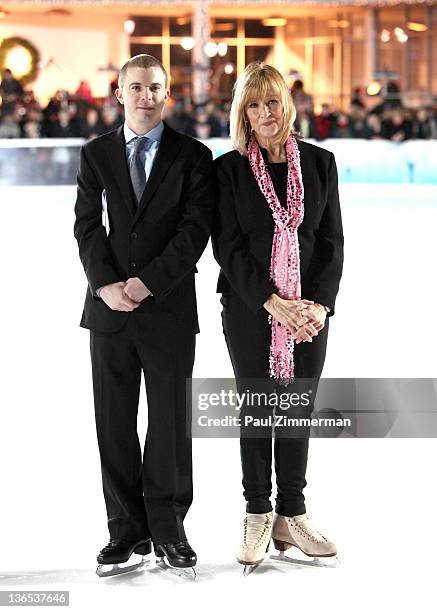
(54, 161)
(373, 161)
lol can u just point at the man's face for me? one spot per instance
(143, 95)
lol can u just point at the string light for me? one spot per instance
(19, 61)
(210, 48)
(385, 35)
(129, 26)
(417, 27)
(187, 43)
(222, 49)
(400, 35)
(274, 22)
(373, 88)
(233, 3)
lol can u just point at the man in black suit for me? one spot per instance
(143, 215)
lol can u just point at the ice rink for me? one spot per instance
(373, 497)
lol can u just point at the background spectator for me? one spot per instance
(212, 120)
(202, 127)
(83, 92)
(341, 127)
(424, 124)
(373, 124)
(62, 127)
(9, 127)
(306, 124)
(324, 123)
(92, 125)
(302, 100)
(395, 125)
(111, 119)
(11, 91)
(223, 119)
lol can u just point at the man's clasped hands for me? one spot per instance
(124, 296)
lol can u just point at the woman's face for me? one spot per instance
(265, 115)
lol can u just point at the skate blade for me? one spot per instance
(188, 573)
(117, 568)
(249, 569)
(328, 562)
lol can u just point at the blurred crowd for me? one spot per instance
(388, 119)
(80, 115)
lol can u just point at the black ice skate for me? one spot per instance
(178, 558)
(119, 551)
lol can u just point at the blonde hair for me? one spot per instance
(252, 85)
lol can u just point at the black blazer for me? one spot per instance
(243, 229)
(160, 240)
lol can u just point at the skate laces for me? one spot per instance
(255, 531)
(183, 547)
(306, 529)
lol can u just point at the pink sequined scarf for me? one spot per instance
(285, 262)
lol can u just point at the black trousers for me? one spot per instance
(146, 497)
(248, 339)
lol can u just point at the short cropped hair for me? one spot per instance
(141, 61)
(254, 83)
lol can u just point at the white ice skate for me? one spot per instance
(256, 539)
(297, 531)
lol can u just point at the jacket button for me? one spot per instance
(134, 235)
(132, 264)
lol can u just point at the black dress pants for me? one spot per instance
(146, 497)
(248, 339)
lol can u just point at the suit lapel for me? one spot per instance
(117, 157)
(307, 174)
(168, 149)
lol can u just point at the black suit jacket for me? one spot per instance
(160, 240)
(243, 230)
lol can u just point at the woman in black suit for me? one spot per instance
(278, 239)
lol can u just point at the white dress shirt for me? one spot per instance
(155, 136)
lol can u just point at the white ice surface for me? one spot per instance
(374, 498)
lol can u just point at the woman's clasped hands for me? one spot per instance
(304, 318)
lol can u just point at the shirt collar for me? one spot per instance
(154, 134)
